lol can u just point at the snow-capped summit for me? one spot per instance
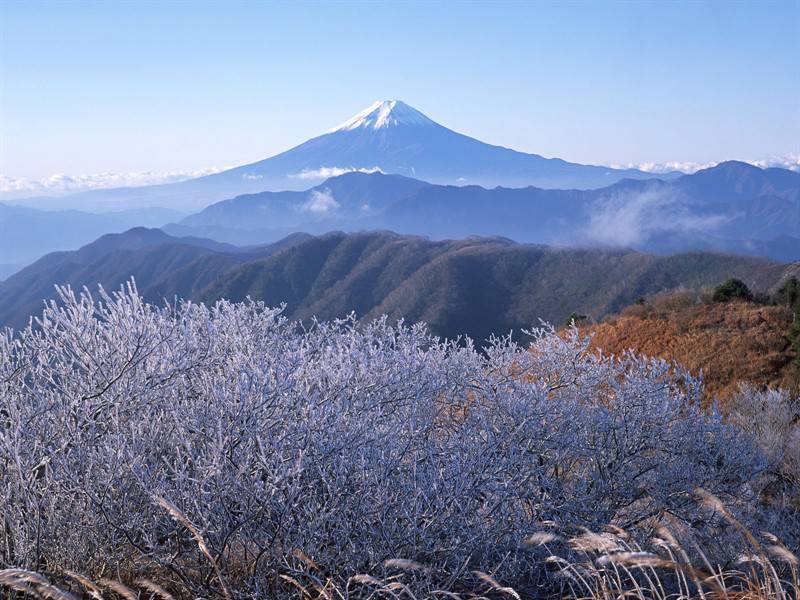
(384, 113)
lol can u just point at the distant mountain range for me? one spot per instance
(733, 207)
(390, 167)
(26, 233)
(476, 286)
(389, 136)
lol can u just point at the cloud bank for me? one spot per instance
(633, 219)
(785, 161)
(326, 172)
(61, 183)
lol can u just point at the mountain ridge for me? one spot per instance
(733, 207)
(476, 286)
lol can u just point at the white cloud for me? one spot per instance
(252, 176)
(320, 202)
(787, 161)
(61, 183)
(666, 167)
(326, 172)
(631, 219)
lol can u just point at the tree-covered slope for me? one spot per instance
(475, 286)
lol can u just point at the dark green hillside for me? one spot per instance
(163, 266)
(476, 286)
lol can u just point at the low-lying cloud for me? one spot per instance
(785, 161)
(633, 219)
(320, 202)
(789, 161)
(61, 183)
(326, 172)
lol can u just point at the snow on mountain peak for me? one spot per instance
(382, 114)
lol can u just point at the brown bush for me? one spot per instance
(729, 343)
(673, 301)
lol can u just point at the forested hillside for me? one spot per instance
(476, 286)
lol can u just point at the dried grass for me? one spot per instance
(729, 343)
(604, 566)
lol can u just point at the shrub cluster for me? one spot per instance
(127, 431)
(732, 289)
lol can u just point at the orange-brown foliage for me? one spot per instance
(731, 343)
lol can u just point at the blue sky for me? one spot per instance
(176, 86)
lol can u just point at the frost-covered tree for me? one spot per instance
(347, 443)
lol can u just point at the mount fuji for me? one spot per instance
(389, 137)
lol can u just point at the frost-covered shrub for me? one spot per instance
(347, 444)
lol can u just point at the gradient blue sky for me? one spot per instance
(163, 86)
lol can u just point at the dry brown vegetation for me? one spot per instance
(729, 343)
(605, 565)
